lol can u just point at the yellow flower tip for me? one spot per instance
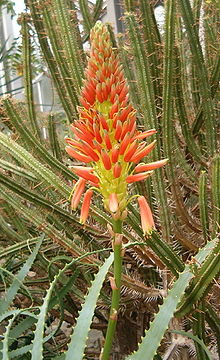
(147, 221)
(85, 206)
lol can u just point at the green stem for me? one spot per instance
(117, 246)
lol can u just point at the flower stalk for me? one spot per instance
(116, 286)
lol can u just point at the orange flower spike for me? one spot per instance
(78, 191)
(105, 135)
(147, 221)
(85, 206)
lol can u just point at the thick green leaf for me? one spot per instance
(80, 334)
(154, 335)
(12, 291)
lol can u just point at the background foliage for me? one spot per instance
(48, 260)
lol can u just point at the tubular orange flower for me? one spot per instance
(147, 220)
(78, 191)
(150, 166)
(105, 135)
(85, 206)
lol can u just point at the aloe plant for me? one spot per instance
(49, 260)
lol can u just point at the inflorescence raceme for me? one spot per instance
(105, 135)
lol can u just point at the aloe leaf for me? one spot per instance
(13, 249)
(196, 339)
(5, 341)
(80, 334)
(17, 312)
(37, 348)
(12, 291)
(21, 327)
(154, 335)
(21, 351)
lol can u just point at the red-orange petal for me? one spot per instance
(130, 151)
(147, 221)
(150, 166)
(142, 153)
(107, 140)
(138, 177)
(104, 123)
(115, 154)
(124, 144)
(86, 174)
(89, 151)
(77, 155)
(106, 160)
(118, 130)
(78, 190)
(117, 170)
(97, 133)
(85, 206)
(144, 134)
(79, 167)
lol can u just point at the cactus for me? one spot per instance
(172, 78)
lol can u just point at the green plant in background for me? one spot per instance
(173, 81)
